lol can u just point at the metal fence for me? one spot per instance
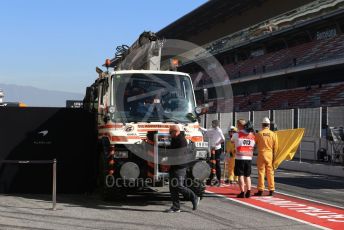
(210, 118)
(258, 117)
(309, 118)
(53, 162)
(284, 119)
(202, 118)
(242, 115)
(226, 120)
(335, 116)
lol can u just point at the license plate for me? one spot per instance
(201, 144)
(201, 154)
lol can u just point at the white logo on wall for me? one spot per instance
(43, 141)
(44, 132)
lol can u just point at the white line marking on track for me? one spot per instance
(269, 211)
(315, 201)
(295, 196)
(304, 174)
(304, 198)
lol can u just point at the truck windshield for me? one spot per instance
(153, 97)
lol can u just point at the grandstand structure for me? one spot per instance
(278, 56)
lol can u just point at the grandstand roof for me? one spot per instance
(206, 15)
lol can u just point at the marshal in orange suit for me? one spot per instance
(267, 145)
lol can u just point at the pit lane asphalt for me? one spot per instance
(145, 211)
(140, 212)
(322, 188)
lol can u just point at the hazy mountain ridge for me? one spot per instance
(36, 97)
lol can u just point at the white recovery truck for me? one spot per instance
(134, 103)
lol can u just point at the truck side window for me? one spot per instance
(95, 99)
(104, 87)
(100, 93)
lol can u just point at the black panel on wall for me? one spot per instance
(45, 134)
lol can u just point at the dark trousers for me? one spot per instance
(218, 165)
(177, 178)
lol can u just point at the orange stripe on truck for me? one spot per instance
(195, 138)
(150, 130)
(150, 164)
(150, 175)
(124, 138)
(110, 126)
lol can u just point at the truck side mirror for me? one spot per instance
(200, 110)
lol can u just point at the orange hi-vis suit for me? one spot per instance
(267, 145)
(230, 149)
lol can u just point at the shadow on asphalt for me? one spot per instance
(46, 219)
(321, 182)
(134, 203)
(94, 201)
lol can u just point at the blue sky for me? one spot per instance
(56, 44)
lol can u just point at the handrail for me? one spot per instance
(54, 162)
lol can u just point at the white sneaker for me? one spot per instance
(172, 210)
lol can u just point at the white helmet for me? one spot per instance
(266, 120)
(233, 129)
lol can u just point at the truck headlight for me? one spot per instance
(164, 159)
(201, 154)
(198, 110)
(121, 154)
(112, 109)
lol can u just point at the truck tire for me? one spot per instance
(197, 186)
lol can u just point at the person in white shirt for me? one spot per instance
(215, 138)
